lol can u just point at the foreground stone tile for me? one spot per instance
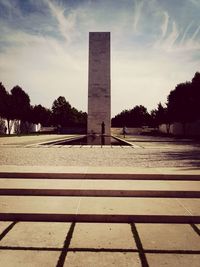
(198, 226)
(171, 260)
(27, 204)
(97, 235)
(126, 185)
(99, 184)
(146, 206)
(168, 237)
(102, 259)
(192, 205)
(3, 226)
(38, 234)
(41, 183)
(11, 258)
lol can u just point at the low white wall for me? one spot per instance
(191, 129)
(15, 127)
(118, 131)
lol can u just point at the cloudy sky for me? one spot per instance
(155, 44)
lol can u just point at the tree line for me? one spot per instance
(183, 105)
(15, 105)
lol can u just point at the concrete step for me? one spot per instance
(99, 193)
(99, 218)
(100, 197)
(102, 176)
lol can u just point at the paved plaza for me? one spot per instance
(151, 171)
(146, 152)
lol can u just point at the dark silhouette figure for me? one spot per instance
(124, 131)
(102, 128)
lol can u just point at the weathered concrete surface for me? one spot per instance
(102, 259)
(26, 258)
(169, 245)
(168, 237)
(99, 185)
(3, 225)
(99, 103)
(38, 204)
(46, 244)
(173, 260)
(107, 236)
(145, 206)
(153, 153)
(41, 234)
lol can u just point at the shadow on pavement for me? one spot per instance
(191, 158)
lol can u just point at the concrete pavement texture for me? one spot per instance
(145, 152)
(27, 164)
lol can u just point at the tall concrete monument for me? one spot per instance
(99, 103)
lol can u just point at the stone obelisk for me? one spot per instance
(99, 101)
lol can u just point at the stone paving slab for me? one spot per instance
(102, 236)
(168, 237)
(3, 226)
(142, 206)
(176, 249)
(98, 184)
(24, 258)
(191, 205)
(102, 259)
(90, 205)
(12, 204)
(173, 260)
(142, 185)
(40, 234)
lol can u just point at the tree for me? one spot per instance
(62, 112)
(195, 96)
(160, 116)
(122, 119)
(3, 100)
(139, 116)
(6, 107)
(21, 104)
(179, 102)
(64, 115)
(79, 118)
(136, 117)
(2, 126)
(184, 102)
(40, 114)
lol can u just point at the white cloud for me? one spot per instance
(171, 38)
(66, 25)
(138, 5)
(168, 42)
(146, 78)
(186, 32)
(195, 2)
(143, 72)
(164, 26)
(195, 33)
(45, 68)
(11, 8)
